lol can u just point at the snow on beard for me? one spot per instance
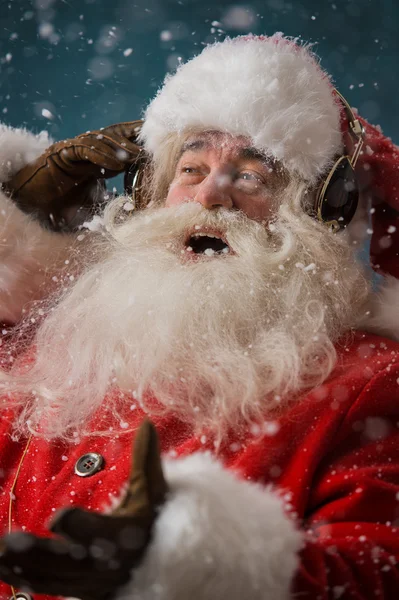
(219, 339)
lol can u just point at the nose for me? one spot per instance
(215, 191)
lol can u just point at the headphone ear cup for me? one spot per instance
(134, 182)
(338, 197)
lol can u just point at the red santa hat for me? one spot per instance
(273, 90)
(268, 89)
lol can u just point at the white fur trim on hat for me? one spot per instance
(271, 90)
(19, 147)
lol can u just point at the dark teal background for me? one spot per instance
(67, 56)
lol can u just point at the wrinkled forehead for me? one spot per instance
(235, 147)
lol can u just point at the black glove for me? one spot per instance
(94, 553)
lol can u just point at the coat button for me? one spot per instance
(21, 596)
(88, 464)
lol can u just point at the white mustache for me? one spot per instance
(161, 226)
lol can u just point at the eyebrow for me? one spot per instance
(194, 146)
(249, 153)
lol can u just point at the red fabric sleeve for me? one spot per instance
(378, 174)
(352, 520)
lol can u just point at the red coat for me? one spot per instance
(335, 455)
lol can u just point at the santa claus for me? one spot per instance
(227, 301)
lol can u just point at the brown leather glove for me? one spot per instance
(71, 173)
(95, 553)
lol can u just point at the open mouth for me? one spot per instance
(207, 243)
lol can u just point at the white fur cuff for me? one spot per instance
(217, 538)
(383, 316)
(19, 147)
(29, 257)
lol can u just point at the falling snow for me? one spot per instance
(69, 73)
(47, 114)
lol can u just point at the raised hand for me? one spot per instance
(71, 173)
(93, 554)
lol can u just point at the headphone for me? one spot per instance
(133, 180)
(337, 197)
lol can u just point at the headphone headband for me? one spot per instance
(337, 198)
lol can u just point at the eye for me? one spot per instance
(248, 181)
(189, 174)
(189, 170)
(248, 177)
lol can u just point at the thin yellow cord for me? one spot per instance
(12, 496)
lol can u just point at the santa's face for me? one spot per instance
(219, 170)
(218, 340)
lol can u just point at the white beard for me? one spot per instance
(217, 341)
